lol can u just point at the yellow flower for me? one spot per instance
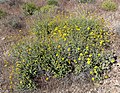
(59, 46)
(95, 67)
(59, 31)
(108, 41)
(23, 60)
(62, 58)
(99, 55)
(69, 54)
(91, 72)
(79, 58)
(10, 77)
(56, 28)
(101, 42)
(29, 52)
(56, 54)
(87, 47)
(93, 44)
(11, 82)
(11, 87)
(102, 49)
(64, 34)
(86, 52)
(68, 49)
(27, 65)
(88, 62)
(88, 59)
(65, 39)
(75, 61)
(66, 44)
(88, 28)
(112, 60)
(106, 76)
(29, 49)
(64, 26)
(93, 78)
(101, 36)
(95, 70)
(17, 69)
(47, 79)
(17, 64)
(78, 48)
(91, 33)
(77, 28)
(81, 54)
(20, 82)
(54, 33)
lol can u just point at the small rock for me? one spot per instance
(1, 79)
(3, 38)
(6, 91)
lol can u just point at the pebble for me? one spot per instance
(3, 38)
(6, 91)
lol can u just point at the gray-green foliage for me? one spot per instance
(86, 1)
(3, 1)
(2, 13)
(30, 8)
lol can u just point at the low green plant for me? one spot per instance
(3, 1)
(64, 46)
(2, 14)
(15, 23)
(52, 2)
(109, 5)
(86, 1)
(47, 9)
(29, 8)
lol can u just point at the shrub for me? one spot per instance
(29, 8)
(63, 47)
(2, 13)
(109, 5)
(86, 1)
(52, 2)
(14, 22)
(47, 9)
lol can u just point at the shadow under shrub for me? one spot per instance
(64, 46)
